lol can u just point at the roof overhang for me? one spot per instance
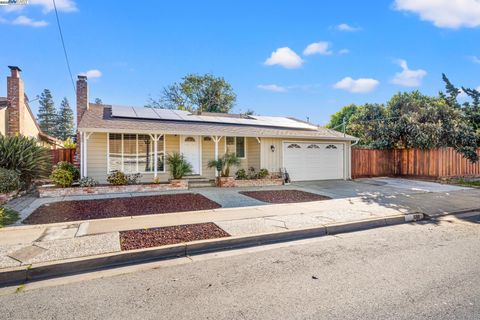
(213, 133)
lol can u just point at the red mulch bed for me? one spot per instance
(147, 238)
(284, 196)
(119, 207)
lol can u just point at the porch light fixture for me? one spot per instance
(272, 147)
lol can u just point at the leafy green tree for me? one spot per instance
(203, 93)
(336, 119)
(98, 101)
(66, 126)
(47, 115)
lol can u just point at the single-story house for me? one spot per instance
(16, 117)
(136, 140)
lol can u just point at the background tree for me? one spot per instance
(66, 126)
(336, 119)
(204, 93)
(47, 115)
(98, 101)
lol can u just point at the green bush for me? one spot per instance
(7, 216)
(223, 164)
(117, 178)
(263, 173)
(62, 178)
(25, 156)
(65, 165)
(9, 180)
(179, 167)
(241, 175)
(87, 182)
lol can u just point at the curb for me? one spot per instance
(41, 271)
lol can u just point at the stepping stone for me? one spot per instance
(26, 253)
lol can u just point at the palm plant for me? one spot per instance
(179, 167)
(25, 156)
(223, 164)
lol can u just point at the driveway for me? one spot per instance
(335, 189)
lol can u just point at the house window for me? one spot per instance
(132, 153)
(189, 139)
(331, 146)
(293, 146)
(236, 145)
(313, 146)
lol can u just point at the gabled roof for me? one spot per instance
(98, 118)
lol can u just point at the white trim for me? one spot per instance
(108, 152)
(189, 133)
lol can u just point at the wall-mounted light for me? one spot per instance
(272, 147)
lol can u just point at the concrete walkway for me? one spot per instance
(24, 245)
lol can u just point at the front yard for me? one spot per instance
(65, 211)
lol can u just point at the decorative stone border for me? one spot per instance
(259, 182)
(230, 182)
(47, 191)
(5, 197)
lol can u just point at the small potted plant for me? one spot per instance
(222, 165)
(179, 167)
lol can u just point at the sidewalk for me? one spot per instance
(26, 245)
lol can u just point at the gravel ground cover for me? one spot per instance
(284, 196)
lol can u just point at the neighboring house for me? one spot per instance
(16, 117)
(134, 140)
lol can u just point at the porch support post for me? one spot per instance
(86, 136)
(82, 153)
(216, 139)
(155, 138)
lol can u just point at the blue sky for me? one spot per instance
(297, 58)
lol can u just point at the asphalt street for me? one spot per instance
(426, 270)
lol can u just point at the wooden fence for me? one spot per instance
(62, 155)
(435, 163)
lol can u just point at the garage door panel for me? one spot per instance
(313, 161)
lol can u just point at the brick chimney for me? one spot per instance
(16, 101)
(82, 97)
(82, 106)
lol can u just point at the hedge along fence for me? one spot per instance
(62, 155)
(434, 163)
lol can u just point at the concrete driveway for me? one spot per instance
(336, 189)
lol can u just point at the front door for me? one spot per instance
(190, 148)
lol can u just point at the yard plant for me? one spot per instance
(223, 164)
(25, 156)
(62, 178)
(65, 165)
(9, 180)
(179, 166)
(7, 216)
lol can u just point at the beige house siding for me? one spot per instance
(273, 161)
(29, 127)
(253, 153)
(3, 121)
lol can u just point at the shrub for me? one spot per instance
(7, 216)
(117, 178)
(133, 178)
(179, 167)
(87, 182)
(156, 180)
(263, 173)
(62, 178)
(241, 174)
(69, 143)
(25, 156)
(9, 180)
(65, 165)
(224, 163)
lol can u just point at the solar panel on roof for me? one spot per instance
(181, 115)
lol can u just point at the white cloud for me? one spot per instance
(321, 47)
(346, 27)
(26, 21)
(272, 87)
(408, 78)
(94, 73)
(478, 88)
(285, 57)
(344, 51)
(475, 59)
(360, 85)
(444, 13)
(62, 5)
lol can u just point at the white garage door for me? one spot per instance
(313, 161)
